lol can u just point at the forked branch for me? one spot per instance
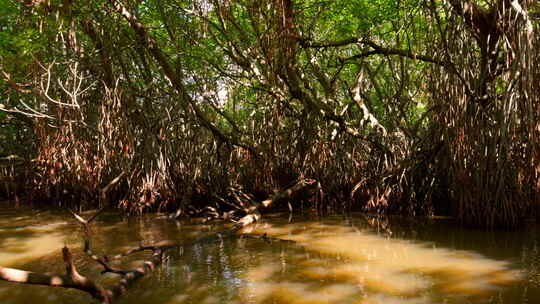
(107, 294)
(74, 280)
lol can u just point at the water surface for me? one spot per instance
(355, 259)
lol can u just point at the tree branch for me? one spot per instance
(253, 213)
(153, 48)
(72, 279)
(106, 295)
(378, 50)
(328, 44)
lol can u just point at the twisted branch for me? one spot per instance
(74, 280)
(106, 295)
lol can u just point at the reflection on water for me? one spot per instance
(19, 248)
(377, 269)
(332, 261)
(27, 235)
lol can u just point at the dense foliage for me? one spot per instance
(417, 107)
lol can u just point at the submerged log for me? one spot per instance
(107, 294)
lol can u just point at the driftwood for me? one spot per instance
(245, 210)
(107, 294)
(253, 214)
(74, 280)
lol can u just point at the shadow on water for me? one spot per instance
(335, 260)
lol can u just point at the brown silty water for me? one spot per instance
(355, 259)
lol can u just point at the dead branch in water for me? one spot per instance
(253, 213)
(72, 279)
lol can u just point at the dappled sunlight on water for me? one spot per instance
(27, 235)
(17, 250)
(375, 269)
(330, 261)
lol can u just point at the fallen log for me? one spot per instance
(72, 279)
(253, 214)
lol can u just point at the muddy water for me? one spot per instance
(335, 260)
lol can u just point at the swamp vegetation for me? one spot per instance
(220, 109)
(209, 107)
